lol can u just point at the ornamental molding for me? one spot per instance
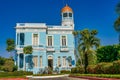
(59, 32)
(60, 29)
(30, 30)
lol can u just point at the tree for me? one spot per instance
(108, 53)
(79, 56)
(27, 50)
(8, 65)
(117, 27)
(117, 22)
(87, 43)
(10, 45)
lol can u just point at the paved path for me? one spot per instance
(60, 78)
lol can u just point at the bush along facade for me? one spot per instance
(65, 71)
(79, 69)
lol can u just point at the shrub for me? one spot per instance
(16, 73)
(92, 58)
(91, 69)
(15, 68)
(103, 68)
(65, 71)
(78, 70)
(116, 67)
(8, 66)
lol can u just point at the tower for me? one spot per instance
(67, 16)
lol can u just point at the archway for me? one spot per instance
(50, 62)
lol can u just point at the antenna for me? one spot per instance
(65, 2)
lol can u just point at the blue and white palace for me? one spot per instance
(53, 45)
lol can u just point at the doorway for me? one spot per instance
(50, 62)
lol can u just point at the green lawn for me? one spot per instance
(98, 75)
(12, 76)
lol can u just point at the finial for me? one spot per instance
(66, 4)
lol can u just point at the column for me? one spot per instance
(18, 61)
(18, 38)
(24, 67)
(38, 61)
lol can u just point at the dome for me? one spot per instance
(66, 9)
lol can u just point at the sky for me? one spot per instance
(90, 14)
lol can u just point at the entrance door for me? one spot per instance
(50, 62)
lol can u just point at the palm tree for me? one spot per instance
(117, 22)
(117, 27)
(87, 43)
(79, 56)
(27, 50)
(10, 45)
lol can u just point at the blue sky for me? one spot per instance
(91, 14)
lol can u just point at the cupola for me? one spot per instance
(67, 16)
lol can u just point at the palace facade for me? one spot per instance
(53, 45)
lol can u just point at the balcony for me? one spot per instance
(50, 48)
(64, 48)
(35, 47)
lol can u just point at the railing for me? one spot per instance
(64, 48)
(50, 48)
(31, 24)
(34, 46)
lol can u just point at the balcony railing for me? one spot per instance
(33, 46)
(64, 48)
(50, 48)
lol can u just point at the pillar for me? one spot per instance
(24, 67)
(38, 61)
(18, 61)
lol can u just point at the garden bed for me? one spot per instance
(97, 76)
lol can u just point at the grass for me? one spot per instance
(98, 75)
(12, 76)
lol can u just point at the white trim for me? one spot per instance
(16, 39)
(38, 38)
(47, 40)
(41, 62)
(64, 64)
(60, 32)
(59, 57)
(30, 30)
(61, 40)
(36, 60)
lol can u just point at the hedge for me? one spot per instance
(105, 68)
(116, 67)
(16, 73)
(78, 70)
(65, 71)
(91, 69)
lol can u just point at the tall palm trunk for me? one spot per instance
(86, 61)
(119, 38)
